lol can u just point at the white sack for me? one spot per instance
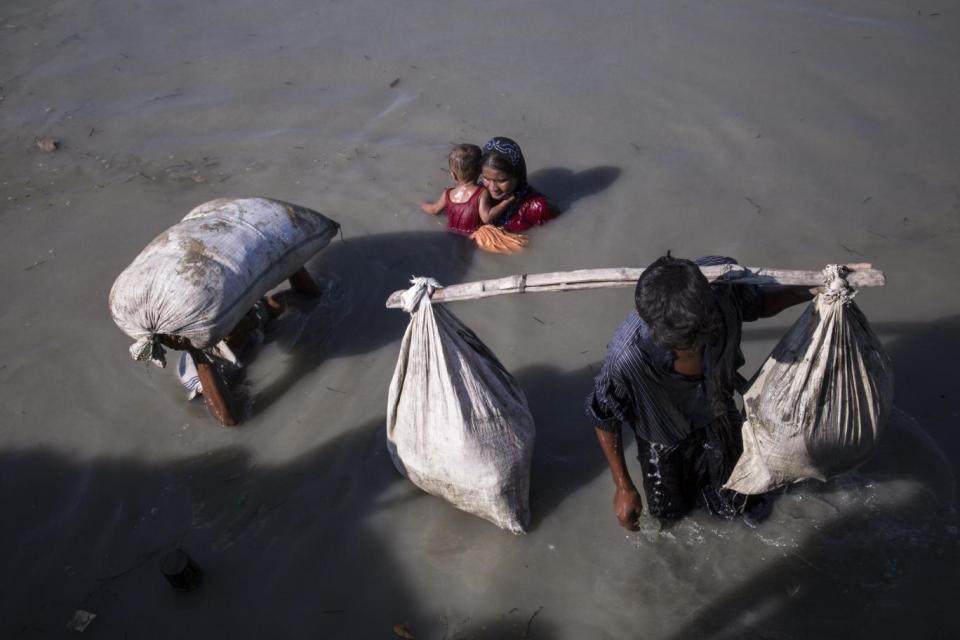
(458, 425)
(198, 278)
(818, 404)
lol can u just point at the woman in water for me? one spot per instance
(504, 174)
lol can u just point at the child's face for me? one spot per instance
(499, 184)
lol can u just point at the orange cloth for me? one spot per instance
(496, 240)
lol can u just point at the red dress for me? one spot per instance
(464, 217)
(533, 210)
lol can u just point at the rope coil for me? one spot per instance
(410, 299)
(836, 289)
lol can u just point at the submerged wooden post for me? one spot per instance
(859, 275)
(181, 571)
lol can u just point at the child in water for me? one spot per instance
(468, 205)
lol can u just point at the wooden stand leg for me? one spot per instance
(214, 390)
(181, 571)
(302, 282)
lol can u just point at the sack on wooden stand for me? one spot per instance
(197, 279)
(458, 425)
(818, 404)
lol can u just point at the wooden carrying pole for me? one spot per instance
(860, 275)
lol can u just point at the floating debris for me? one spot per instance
(81, 620)
(47, 144)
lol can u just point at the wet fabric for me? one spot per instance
(637, 385)
(187, 372)
(531, 210)
(496, 240)
(691, 473)
(464, 217)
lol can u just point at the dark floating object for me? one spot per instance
(181, 571)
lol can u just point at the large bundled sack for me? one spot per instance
(198, 278)
(458, 425)
(818, 404)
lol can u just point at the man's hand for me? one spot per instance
(628, 507)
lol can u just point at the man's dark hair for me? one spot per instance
(675, 301)
(465, 162)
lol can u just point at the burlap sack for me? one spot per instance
(458, 425)
(198, 278)
(818, 404)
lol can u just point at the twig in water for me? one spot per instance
(141, 174)
(866, 200)
(143, 559)
(538, 319)
(175, 94)
(336, 390)
(848, 249)
(526, 634)
(35, 265)
(758, 207)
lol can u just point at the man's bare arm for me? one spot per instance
(627, 504)
(776, 300)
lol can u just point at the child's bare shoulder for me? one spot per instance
(463, 193)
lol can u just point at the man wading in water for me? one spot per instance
(670, 374)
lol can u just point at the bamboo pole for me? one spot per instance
(860, 275)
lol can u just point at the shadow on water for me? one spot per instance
(566, 455)
(90, 536)
(924, 356)
(287, 551)
(884, 567)
(357, 275)
(563, 187)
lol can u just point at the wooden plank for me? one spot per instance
(861, 275)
